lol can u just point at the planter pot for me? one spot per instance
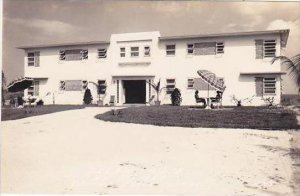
(157, 103)
(100, 103)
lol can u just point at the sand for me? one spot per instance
(72, 152)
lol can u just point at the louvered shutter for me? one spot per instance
(259, 86)
(36, 59)
(36, 88)
(259, 48)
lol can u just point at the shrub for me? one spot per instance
(87, 98)
(176, 97)
(40, 102)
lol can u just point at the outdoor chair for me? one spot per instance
(112, 100)
(216, 100)
(200, 99)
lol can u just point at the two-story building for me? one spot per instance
(127, 63)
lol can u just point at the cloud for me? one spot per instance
(46, 26)
(294, 36)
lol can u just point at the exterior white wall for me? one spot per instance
(239, 56)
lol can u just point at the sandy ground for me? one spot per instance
(72, 152)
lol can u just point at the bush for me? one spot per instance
(40, 102)
(87, 98)
(176, 97)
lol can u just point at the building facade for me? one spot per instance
(126, 64)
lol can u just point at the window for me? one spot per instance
(84, 84)
(73, 55)
(269, 48)
(205, 48)
(170, 85)
(190, 83)
(102, 53)
(134, 51)
(33, 90)
(147, 51)
(62, 85)
(265, 48)
(71, 85)
(220, 47)
(122, 52)
(190, 48)
(269, 86)
(101, 87)
(84, 54)
(33, 59)
(170, 50)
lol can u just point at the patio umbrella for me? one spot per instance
(20, 84)
(212, 80)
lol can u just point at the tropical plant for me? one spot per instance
(239, 101)
(176, 97)
(101, 90)
(157, 89)
(87, 98)
(293, 64)
(269, 100)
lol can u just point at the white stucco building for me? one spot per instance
(127, 62)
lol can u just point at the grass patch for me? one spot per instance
(18, 113)
(183, 116)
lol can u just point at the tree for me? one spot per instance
(87, 99)
(3, 82)
(293, 64)
(157, 89)
(176, 97)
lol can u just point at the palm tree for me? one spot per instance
(293, 64)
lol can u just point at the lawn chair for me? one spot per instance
(112, 100)
(200, 99)
(216, 100)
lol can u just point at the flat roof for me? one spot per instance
(264, 73)
(63, 44)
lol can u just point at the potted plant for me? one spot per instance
(101, 91)
(158, 90)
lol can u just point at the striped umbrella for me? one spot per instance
(20, 84)
(212, 80)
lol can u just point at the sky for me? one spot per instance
(36, 22)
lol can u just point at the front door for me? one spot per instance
(135, 91)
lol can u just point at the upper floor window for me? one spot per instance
(33, 59)
(170, 85)
(147, 51)
(269, 86)
(265, 48)
(170, 49)
(219, 47)
(122, 52)
(190, 48)
(205, 48)
(134, 51)
(73, 55)
(102, 53)
(269, 48)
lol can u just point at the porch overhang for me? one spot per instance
(132, 77)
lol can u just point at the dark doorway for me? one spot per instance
(135, 91)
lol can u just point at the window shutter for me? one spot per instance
(259, 48)
(205, 48)
(36, 88)
(259, 86)
(36, 59)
